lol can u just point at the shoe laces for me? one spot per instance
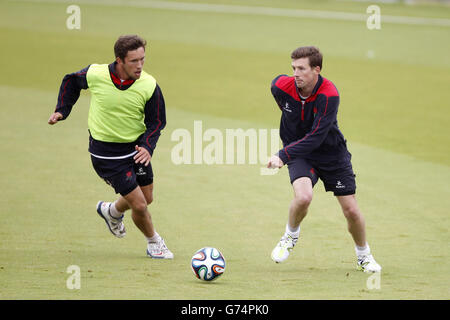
(160, 245)
(117, 223)
(365, 259)
(121, 226)
(287, 240)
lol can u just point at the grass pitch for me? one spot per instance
(217, 67)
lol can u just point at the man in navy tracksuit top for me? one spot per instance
(314, 148)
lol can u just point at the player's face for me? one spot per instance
(133, 63)
(304, 75)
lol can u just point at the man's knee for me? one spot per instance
(303, 191)
(352, 213)
(148, 193)
(149, 198)
(303, 199)
(139, 207)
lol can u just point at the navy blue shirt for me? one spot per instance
(308, 127)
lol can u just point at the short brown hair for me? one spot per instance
(128, 43)
(313, 53)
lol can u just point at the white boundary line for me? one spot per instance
(262, 11)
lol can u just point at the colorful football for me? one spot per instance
(208, 264)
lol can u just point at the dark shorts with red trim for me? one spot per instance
(124, 175)
(337, 175)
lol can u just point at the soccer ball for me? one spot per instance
(208, 264)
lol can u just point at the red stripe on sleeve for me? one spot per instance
(64, 91)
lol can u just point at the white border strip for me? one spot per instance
(262, 11)
(114, 158)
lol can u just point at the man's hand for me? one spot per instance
(142, 156)
(54, 118)
(275, 162)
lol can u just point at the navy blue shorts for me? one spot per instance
(124, 175)
(336, 175)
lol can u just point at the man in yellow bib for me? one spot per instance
(126, 116)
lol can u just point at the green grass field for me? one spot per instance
(217, 67)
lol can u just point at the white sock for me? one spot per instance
(294, 233)
(153, 239)
(362, 251)
(114, 212)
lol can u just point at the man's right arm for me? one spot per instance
(69, 92)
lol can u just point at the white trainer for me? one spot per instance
(159, 250)
(367, 263)
(115, 225)
(281, 252)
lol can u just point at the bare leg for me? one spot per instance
(137, 200)
(355, 219)
(298, 209)
(122, 204)
(297, 212)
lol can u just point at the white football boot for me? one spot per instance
(281, 252)
(367, 263)
(159, 250)
(115, 225)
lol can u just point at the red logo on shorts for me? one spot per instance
(129, 174)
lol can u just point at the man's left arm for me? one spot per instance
(155, 120)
